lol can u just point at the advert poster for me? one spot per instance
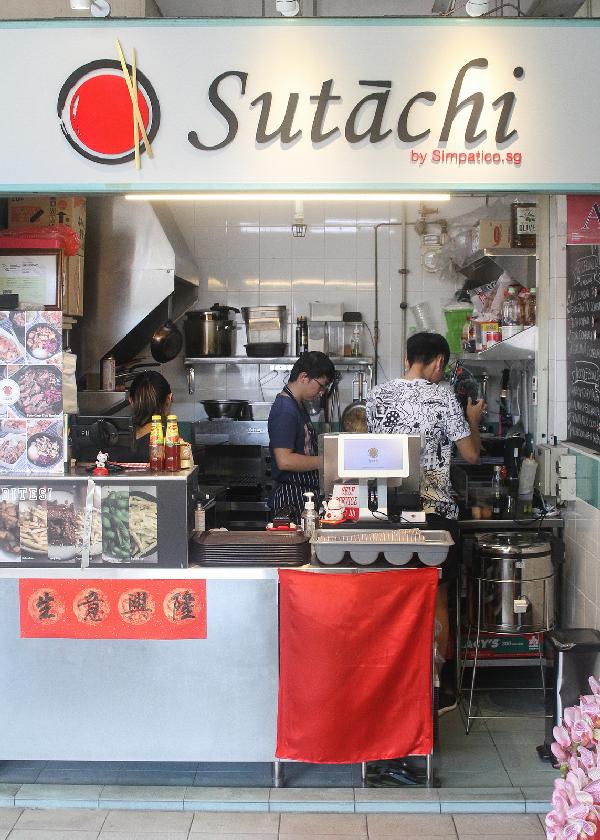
(31, 420)
(583, 219)
(46, 524)
(112, 609)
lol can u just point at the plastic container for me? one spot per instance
(456, 314)
(172, 453)
(423, 316)
(396, 547)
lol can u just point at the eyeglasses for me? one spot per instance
(323, 389)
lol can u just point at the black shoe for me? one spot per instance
(447, 701)
(393, 777)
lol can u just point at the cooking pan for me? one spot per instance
(167, 341)
(354, 417)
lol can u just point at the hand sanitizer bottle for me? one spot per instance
(309, 515)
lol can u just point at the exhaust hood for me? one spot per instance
(136, 257)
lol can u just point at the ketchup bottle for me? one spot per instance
(157, 444)
(172, 457)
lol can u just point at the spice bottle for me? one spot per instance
(157, 444)
(172, 462)
(523, 224)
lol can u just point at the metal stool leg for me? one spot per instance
(474, 672)
(363, 773)
(277, 769)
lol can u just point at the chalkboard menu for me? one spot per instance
(583, 345)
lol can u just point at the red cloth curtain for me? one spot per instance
(355, 665)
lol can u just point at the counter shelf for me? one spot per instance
(138, 518)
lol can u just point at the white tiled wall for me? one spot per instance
(248, 256)
(581, 578)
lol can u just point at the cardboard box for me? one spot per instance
(491, 233)
(43, 210)
(501, 646)
(73, 286)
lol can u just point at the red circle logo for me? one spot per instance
(96, 112)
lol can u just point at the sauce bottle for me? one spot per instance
(523, 224)
(172, 457)
(157, 444)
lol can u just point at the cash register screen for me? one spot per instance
(373, 456)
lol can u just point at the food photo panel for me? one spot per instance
(43, 337)
(129, 518)
(45, 446)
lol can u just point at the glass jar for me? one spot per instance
(523, 224)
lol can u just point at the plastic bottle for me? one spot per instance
(172, 462)
(512, 317)
(309, 515)
(157, 444)
(355, 340)
(529, 308)
(496, 494)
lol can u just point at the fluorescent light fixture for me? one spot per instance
(324, 196)
(80, 5)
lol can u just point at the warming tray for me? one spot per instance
(398, 546)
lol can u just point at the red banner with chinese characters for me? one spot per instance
(355, 665)
(112, 609)
(583, 219)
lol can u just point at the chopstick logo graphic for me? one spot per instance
(109, 112)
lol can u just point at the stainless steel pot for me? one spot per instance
(210, 332)
(511, 584)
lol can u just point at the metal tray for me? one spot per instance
(398, 546)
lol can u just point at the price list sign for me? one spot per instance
(583, 345)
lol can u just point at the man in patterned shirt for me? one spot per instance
(419, 405)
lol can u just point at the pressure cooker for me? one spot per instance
(511, 583)
(210, 332)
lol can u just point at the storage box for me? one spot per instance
(73, 286)
(490, 233)
(43, 210)
(502, 646)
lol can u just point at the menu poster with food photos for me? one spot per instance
(44, 525)
(31, 440)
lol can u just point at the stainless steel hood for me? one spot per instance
(135, 253)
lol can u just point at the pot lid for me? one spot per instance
(512, 544)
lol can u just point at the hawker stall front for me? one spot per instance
(198, 218)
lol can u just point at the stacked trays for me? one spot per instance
(250, 548)
(396, 547)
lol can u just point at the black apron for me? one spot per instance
(288, 495)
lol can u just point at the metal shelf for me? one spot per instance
(498, 252)
(338, 361)
(520, 346)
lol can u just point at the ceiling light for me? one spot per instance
(297, 196)
(100, 8)
(287, 8)
(299, 225)
(80, 5)
(477, 8)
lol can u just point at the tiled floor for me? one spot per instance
(82, 824)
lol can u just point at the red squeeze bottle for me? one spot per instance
(172, 456)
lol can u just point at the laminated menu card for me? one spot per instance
(31, 403)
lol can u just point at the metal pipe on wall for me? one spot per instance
(402, 272)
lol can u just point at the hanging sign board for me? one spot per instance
(328, 104)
